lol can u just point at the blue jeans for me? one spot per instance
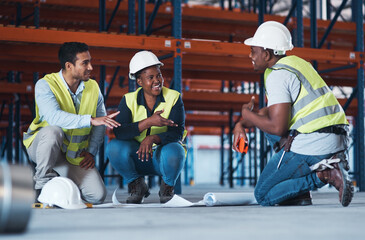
(167, 161)
(293, 177)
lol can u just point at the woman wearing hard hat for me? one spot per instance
(304, 112)
(148, 142)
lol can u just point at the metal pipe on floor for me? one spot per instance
(16, 197)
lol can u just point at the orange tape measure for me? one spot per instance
(242, 146)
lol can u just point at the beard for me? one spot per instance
(83, 77)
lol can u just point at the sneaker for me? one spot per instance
(166, 192)
(138, 190)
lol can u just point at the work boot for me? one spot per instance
(137, 189)
(337, 177)
(166, 192)
(301, 200)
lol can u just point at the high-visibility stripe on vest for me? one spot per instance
(316, 106)
(139, 112)
(76, 140)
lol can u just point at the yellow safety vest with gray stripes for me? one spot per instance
(139, 112)
(76, 140)
(316, 106)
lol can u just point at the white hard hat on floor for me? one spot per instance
(142, 60)
(61, 192)
(272, 35)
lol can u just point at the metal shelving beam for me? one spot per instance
(212, 23)
(109, 40)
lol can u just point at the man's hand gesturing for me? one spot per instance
(106, 120)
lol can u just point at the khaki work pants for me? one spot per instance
(50, 162)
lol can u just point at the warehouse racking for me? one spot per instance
(203, 54)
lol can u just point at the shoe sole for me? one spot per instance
(301, 202)
(348, 188)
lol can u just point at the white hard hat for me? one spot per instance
(142, 60)
(62, 192)
(272, 35)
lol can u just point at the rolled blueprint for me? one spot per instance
(229, 199)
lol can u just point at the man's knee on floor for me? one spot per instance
(259, 195)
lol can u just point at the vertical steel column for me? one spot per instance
(141, 17)
(131, 17)
(263, 159)
(18, 18)
(102, 28)
(17, 100)
(102, 148)
(17, 123)
(256, 87)
(223, 83)
(221, 181)
(230, 5)
(328, 9)
(360, 96)
(262, 8)
(37, 14)
(300, 27)
(313, 27)
(177, 33)
(177, 78)
(131, 30)
(230, 140)
(186, 166)
(102, 16)
(9, 132)
(353, 11)
(35, 79)
(242, 5)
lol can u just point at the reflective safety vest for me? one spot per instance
(316, 106)
(76, 140)
(139, 112)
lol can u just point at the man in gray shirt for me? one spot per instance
(303, 111)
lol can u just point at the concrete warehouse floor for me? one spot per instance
(325, 219)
